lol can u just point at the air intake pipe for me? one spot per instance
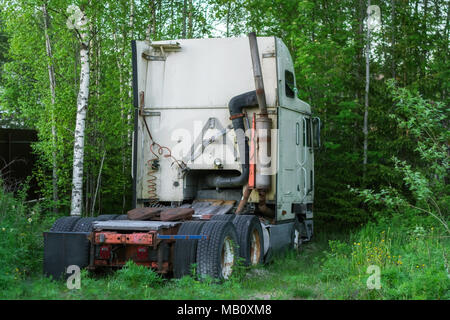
(236, 104)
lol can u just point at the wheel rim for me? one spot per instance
(255, 248)
(227, 257)
(297, 239)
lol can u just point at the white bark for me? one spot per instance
(51, 76)
(78, 147)
(228, 19)
(183, 32)
(151, 22)
(98, 183)
(366, 97)
(130, 96)
(190, 30)
(130, 79)
(393, 67)
(119, 67)
(131, 23)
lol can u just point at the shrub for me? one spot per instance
(21, 241)
(134, 275)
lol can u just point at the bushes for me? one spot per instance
(412, 263)
(408, 238)
(21, 242)
(133, 275)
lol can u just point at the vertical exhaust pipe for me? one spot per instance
(257, 74)
(263, 129)
(263, 123)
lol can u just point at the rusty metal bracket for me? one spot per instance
(168, 46)
(269, 54)
(118, 238)
(236, 116)
(149, 57)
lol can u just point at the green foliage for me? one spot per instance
(412, 262)
(21, 246)
(425, 189)
(26, 94)
(405, 191)
(133, 275)
(327, 45)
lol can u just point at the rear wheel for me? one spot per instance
(251, 242)
(64, 224)
(217, 255)
(84, 225)
(106, 217)
(186, 250)
(223, 217)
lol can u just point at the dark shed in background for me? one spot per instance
(17, 159)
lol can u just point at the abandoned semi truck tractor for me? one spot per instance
(223, 163)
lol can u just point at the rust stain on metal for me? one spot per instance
(174, 214)
(117, 238)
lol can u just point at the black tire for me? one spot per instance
(296, 237)
(121, 217)
(222, 242)
(223, 217)
(185, 253)
(84, 225)
(106, 217)
(64, 224)
(251, 239)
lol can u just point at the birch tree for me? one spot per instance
(80, 26)
(52, 83)
(366, 95)
(151, 30)
(183, 32)
(373, 21)
(130, 95)
(190, 20)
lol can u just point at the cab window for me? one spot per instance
(289, 84)
(308, 133)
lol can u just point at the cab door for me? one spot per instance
(308, 154)
(303, 147)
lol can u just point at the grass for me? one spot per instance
(136, 282)
(411, 257)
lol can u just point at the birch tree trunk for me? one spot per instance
(82, 103)
(51, 76)
(130, 96)
(190, 22)
(183, 32)
(393, 64)
(228, 19)
(366, 98)
(98, 183)
(151, 30)
(444, 88)
(130, 74)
